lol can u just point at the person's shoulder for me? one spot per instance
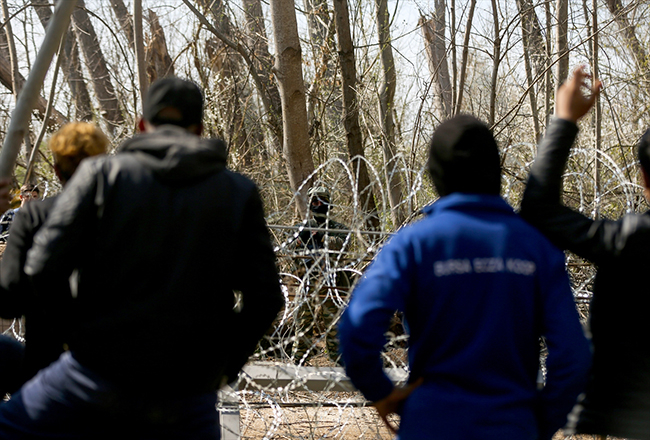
(633, 234)
(333, 224)
(10, 214)
(244, 182)
(36, 209)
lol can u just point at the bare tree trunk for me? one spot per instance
(30, 92)
(441, 54)
(386, 105)
(434, 36)
(139, 48)
(70, 65)
(97, 67)
(528, 17)
(590, 29)
(33, 156)
(228, 64)
(548, 78)
(125, 20)
(463, 65)
(320, 27)
(628, 30)
(597, 110)
(562, 48)
(351, 113)
(258, 42)
(496, 61)
(533, 30)
(454, 68)
(15, 73)
(159, 63)
(288, 71)
(56, 119)
(260, 77)
(12, 49)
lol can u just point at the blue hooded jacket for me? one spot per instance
(478, 287)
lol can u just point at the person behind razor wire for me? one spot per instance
(323, 292)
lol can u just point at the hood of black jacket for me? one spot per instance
(176, 155)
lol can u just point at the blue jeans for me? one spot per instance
(68, 401)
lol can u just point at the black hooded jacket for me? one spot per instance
(158, 237)
(617, 398)
(46, 333)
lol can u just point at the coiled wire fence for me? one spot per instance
(292, 387)
(285, 393)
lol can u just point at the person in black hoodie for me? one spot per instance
(46, 332)
(617, 397)
(156, 238)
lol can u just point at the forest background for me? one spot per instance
(342, 94)
(346, 94)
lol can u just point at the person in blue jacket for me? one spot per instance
(478, 287)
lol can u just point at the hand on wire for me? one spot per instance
(571, 102)
(393, 402)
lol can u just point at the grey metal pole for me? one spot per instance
(31, 89)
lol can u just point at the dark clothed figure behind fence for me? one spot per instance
(323, 293)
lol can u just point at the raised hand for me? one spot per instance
(571, 102)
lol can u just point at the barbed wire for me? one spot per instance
(309, 395)
(315, 279)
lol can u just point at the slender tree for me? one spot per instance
(433, 30)
(70, 65)
(634, 46)
(56, 119)
(97, 67)
(321, 28)
(548, 77)
(125, 20)
(263, 61)
(13, 59)
(261, 78)
(531, 53)
(288, 72)
(351, 112)
(228, 65)
(562, 42)
(159, 63)
(139, 48)
(597, 117)
(30, 91)
(386, 108)
(496, 61)
(465, 55)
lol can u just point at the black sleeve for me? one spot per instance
(14, 284)
(257, 279)
(595, 240)
(63, 239)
